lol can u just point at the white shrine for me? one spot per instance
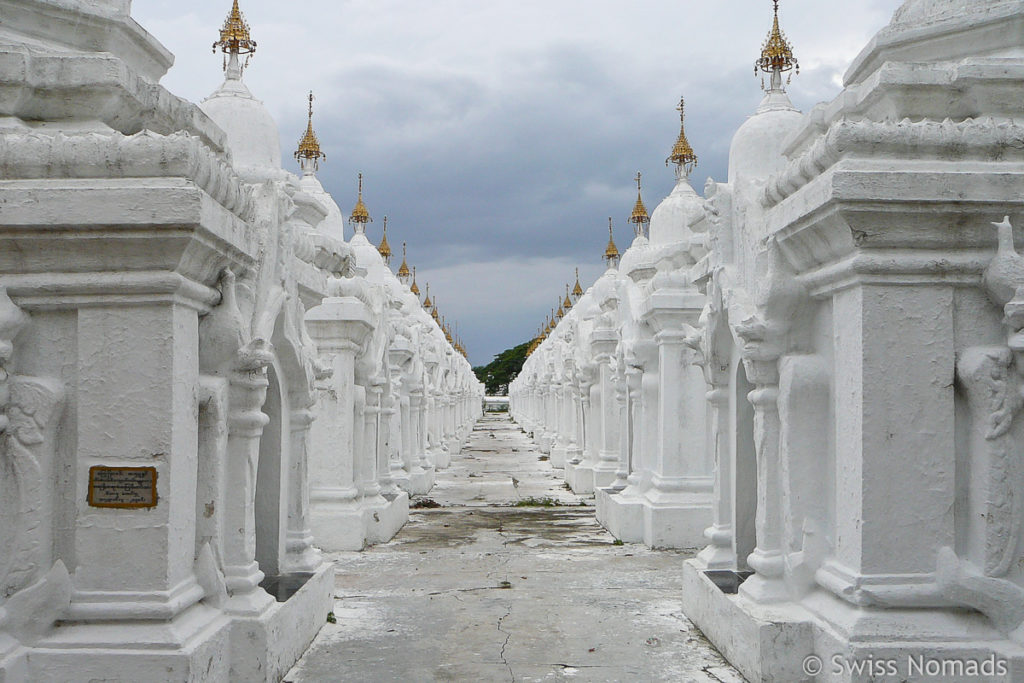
(201, 383)
(812, 371)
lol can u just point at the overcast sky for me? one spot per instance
(499, 135)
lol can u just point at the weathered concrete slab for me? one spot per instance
(479, 590)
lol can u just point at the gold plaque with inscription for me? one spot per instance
(122, 487)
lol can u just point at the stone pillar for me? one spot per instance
(339, 326)
(371, 485)
(393, 426)
(560, 438)
(383, 408)
(718, 554)
(247, 391)
(418, 409)
(137, 370)
(767, 584)
(573, 409)
(607, 421)
(896, 457)
(681, 485)
(634, 377)
(624, 418)
(300, 555)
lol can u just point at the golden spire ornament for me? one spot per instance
(414, 288)
(639, 218)
(567, 304)
(235, 39)
(577, 291)
(384, 248)
(611, 252)
(360, 215)
(403, 270)
(776, 56)
(426, 302)
(309, 154)
(682, 155)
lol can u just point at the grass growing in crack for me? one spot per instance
(543, 458)
(532, 502)
(331, 619)
(618, 541)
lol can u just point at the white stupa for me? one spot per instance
(252, 135)
(671, 219)
(309, 155)
(756, 150)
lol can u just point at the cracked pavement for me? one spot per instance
(480, 590)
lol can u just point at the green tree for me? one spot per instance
(500, 372)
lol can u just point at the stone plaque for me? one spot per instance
(122, 487)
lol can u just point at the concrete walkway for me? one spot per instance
(481, 590)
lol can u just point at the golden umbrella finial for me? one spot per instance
(682, 155)
(776, 55)
(384, 248)
(567, 303)
(639, 218)
(414, 288)
(427, 303)
(309, 146)
(577, 291)
(235, 38)
(403, 270)
(611, 252)
(360, 214)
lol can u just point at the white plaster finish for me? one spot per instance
(853, 324)
(156, 316)
(867, 585)
(252, 136)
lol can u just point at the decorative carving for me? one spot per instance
(991, 377)
(1000, 600)
(143, 155)
(994, 396)
(972, 138)
(31, 612)
(27, 408)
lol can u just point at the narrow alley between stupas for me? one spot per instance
(510, 579)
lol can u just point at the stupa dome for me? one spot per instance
(756, 150)
(252, 133)
(671, 219)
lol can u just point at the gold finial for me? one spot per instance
(567, 304)
(639, 218)
(776, 55)
(235, 38)
(414, 288)
(611, 252)
(682, 154)
(360, 214)
(403, 270)
(426, 302)
(577, 291)
(384, 248)
(561, 312)
(309, 145)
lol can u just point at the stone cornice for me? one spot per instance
(987, 139)
(90, 27)
(53, 86)
(143, 155)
